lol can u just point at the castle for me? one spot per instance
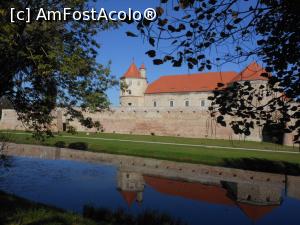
(179, 91)
(175, 105)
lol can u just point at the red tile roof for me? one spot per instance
(129, 196)
(256, 212)
(194, 191)
(132, 72)
(252, 72)
(199, 82)
(190, 82)
(208, 193)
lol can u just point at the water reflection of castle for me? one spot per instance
(254, 199)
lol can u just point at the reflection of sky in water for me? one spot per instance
(71, 185)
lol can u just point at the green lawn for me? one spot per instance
(197, 141)
(193, 154)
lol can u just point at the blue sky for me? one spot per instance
(120, 49)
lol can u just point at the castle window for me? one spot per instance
(129, 92)
(138, 83)
(130, 104)
(187, 103)
(154, 104)
(171, 103)
(202, 103)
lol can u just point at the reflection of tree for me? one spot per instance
(148, 217)
(4, 160)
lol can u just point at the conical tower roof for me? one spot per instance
(132, 72)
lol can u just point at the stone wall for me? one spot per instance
(9, 121)
(193, 122)
(181, 122)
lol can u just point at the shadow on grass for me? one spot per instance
(148, 217)
(263, 165)
(60, 144)
(78, 145)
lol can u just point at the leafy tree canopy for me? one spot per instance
(46, 64)
(188, 31)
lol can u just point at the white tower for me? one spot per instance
(133, 87)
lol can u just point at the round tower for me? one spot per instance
(133, 86)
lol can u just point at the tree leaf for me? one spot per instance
(151, 53)
(130, 34)
(158, 61)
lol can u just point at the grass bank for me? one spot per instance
(15, 210)
(192, 150)
(18, 211)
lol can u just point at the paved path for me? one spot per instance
(166, 143)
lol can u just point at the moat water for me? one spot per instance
(71, 185)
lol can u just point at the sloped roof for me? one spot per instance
(190, 82)
(207, 193)
(132, 72)
(194, 191)
(255, 212)
(252, 72)
(129, 196)
(200, 82)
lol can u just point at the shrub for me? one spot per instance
(78, 145)
(71, 130)
(60, 144)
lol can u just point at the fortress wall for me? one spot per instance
(194, 122)
(180, 122)
(9, 120)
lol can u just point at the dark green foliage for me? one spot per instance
(268, 31)
(15, 210)
(5, 161)
(78, 145)
(5, 104)
(60, 144)
(121, 217)
(47, 64)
